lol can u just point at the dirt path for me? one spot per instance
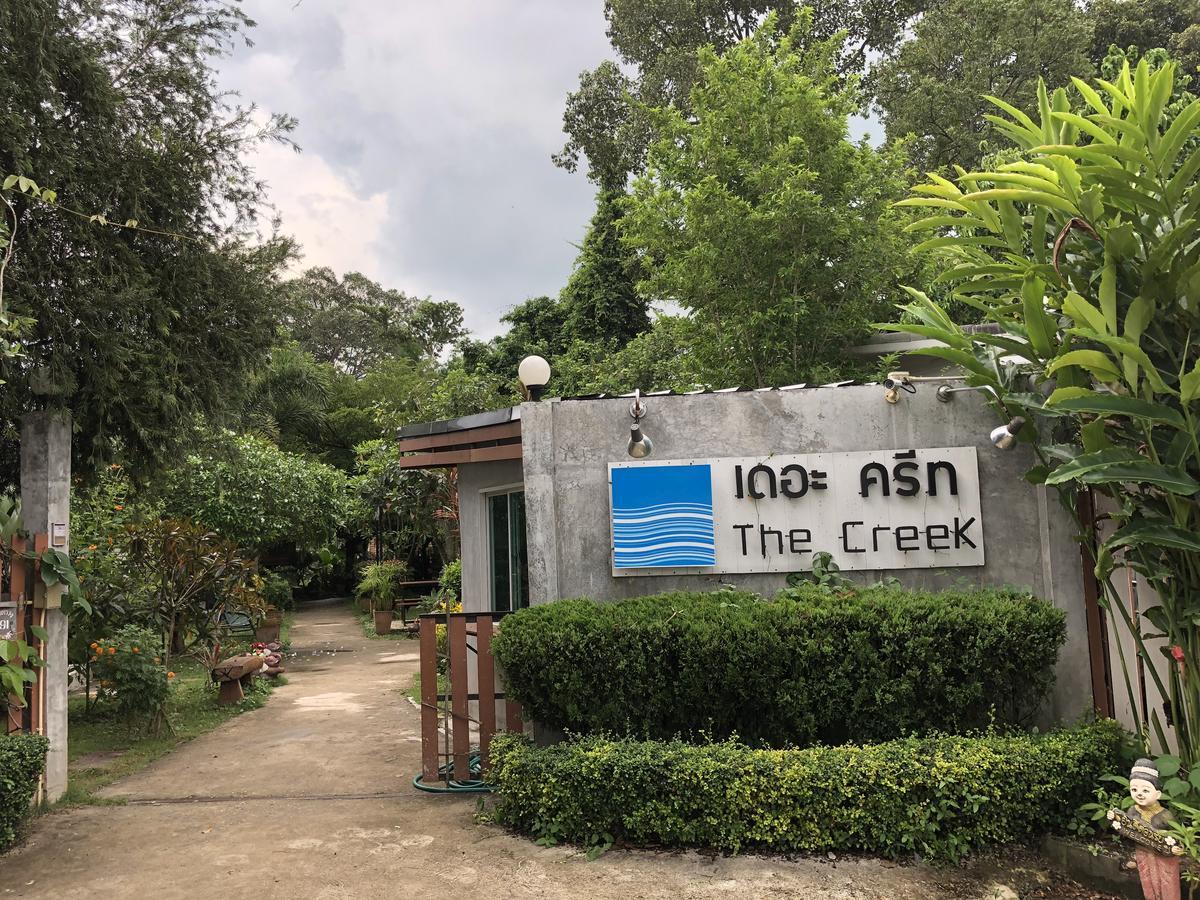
(310, 797)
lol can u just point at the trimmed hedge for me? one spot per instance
(22, 759)
(938, 797)
(810, 666)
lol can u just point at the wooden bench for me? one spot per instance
(234, 675)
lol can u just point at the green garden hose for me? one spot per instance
(447, 785)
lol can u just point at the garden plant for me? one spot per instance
(814, 665)
(1082, 244)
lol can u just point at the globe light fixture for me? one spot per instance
(534, 373)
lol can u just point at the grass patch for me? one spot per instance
(192, 711)
(414, 691)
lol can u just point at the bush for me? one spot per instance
(811, 666)
(938, 797)
(451, 579)
(131, 675)
(276, 590)
(22, 759)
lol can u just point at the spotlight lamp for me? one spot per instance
(1004, 437)
(640, 446)
(534, 373)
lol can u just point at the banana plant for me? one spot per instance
(1084, 247)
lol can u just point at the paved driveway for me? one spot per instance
(310, 797)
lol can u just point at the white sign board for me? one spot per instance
(8, 621)
(885, 509)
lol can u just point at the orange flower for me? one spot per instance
(91, 546)
(118, 507)
(136, 650)
(112, 650)
(170, 674)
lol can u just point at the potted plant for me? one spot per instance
(379, 584)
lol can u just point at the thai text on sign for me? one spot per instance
(872, 510)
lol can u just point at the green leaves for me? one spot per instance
(1155, 533)
(1095, 362)
(938, 796)
(1123, 465)
(1038, 324)
(22, 759)
(1116, 405)
(1113, 180)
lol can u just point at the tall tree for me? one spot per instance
(114, 103)
(933, 87)
(759, 216)
(1143, 24)
(355, 323)
(602, 300)
(657, 41)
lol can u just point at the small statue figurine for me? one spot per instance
(1157, 853)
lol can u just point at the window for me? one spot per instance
(510, 559)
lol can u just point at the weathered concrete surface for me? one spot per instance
(46, 502)
(310, 797)
(567, 446)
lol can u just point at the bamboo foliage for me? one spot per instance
(1085, 249)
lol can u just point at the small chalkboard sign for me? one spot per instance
(8, 621)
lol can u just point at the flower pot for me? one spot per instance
(383, 621)
(268, 629)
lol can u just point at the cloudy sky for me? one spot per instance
(426, 131)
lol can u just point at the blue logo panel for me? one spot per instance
(662, 517)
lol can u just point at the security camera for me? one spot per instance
(893, 384)
(1004, 437)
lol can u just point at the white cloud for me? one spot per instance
(336, 226)
(427, 131)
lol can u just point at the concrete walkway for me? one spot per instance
(310, 797)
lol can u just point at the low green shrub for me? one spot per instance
(276, 590)
(811, 666)
(22, 759)
(937, 797)
(451, 579)
(132, 677)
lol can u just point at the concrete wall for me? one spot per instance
(569, 444)
(474, 481)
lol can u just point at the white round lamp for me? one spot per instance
(534, 373)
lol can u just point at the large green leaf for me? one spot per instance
(1038, 198)
(1167, 478)
(1121, 465)
(1156, 533)
(1127, 348)
(1115, 405)
(1093, 360)
(1189, 384)
(1083, 312)
(1040, 326)
(1081, 465)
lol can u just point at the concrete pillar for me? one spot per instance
(46, 503)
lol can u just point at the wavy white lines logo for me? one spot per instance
(662, 516)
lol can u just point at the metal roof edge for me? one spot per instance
(461, 423)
